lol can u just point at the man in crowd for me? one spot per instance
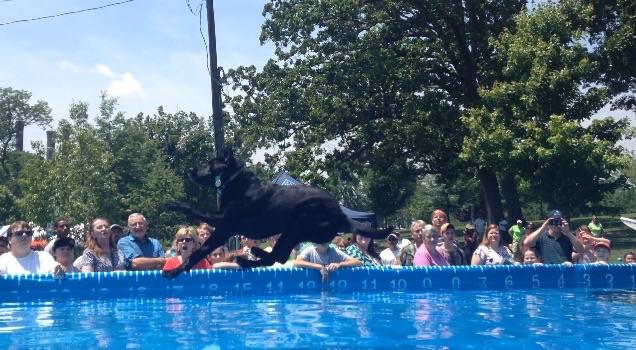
(553, 240)
(389, 255)
(140, 251)
(62, 229)
(21, 259)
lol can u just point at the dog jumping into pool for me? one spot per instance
(257, 211)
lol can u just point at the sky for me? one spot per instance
(147, 53)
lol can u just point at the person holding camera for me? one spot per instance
(553, 240)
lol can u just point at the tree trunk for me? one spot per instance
(511, 195)
(490, 191)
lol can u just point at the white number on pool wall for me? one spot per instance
(270, 287)
(400, 285)
(536, 282)
(456, 283)
(308, 284)
(369, 285)
(561, 282)
(427, 283)
(633, 282)
(610, 280)
(586, 280)
(483, 282)
(509, 283)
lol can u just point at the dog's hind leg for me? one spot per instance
(280, 253)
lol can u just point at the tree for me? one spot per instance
(531, 121)
(357, 83)
(14, 108)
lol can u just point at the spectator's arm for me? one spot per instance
(350, 262)
(142, 263)
(476, 259)
(531, 240)
(301, 262)
(565, 229)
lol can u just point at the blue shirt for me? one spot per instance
(133, 248)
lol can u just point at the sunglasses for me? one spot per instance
(185, 239)
(22, 233)
(64, 225)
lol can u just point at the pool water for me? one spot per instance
(545, 319)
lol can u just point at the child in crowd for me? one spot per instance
(325, 258)
(531, 257)
(602, 253)
(629, 258)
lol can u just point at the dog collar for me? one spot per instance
(218, 184)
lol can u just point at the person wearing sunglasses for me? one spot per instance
(62, 229)
(186, 240)
(20, 259)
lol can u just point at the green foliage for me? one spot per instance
(531, 123)
(376, 85)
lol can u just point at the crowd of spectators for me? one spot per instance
(110, 248)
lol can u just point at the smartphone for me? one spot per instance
(555, 221)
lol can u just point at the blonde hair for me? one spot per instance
(182, 232)
(485, 241)
(417, 224)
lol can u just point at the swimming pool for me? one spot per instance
(548, 319)
(549, 307)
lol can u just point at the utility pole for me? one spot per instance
(215, 79)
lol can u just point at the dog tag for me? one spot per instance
(217, 181)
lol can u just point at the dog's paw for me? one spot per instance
(260, 253)
(172, 273)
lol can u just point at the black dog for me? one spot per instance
(298, 213)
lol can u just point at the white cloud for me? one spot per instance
(127, 85)
(64, 65)
(104, 70)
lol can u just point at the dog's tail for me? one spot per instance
(367, 230)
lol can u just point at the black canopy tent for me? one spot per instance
(284, 179)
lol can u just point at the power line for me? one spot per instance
(65, 13)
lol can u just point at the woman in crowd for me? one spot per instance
(491, 251)
(101, 253)
(429, 254)
(185, 241)
(363, 249)
(449, 248)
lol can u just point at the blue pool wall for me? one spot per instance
(264, 281)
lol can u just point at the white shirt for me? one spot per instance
(388, 256)
(34, 262)
(403, 243)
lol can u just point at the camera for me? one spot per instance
(555, 221)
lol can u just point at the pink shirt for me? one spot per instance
(424, 258)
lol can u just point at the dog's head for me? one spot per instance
(223, 166)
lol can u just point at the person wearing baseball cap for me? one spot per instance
(553, 240)
(389, 255)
